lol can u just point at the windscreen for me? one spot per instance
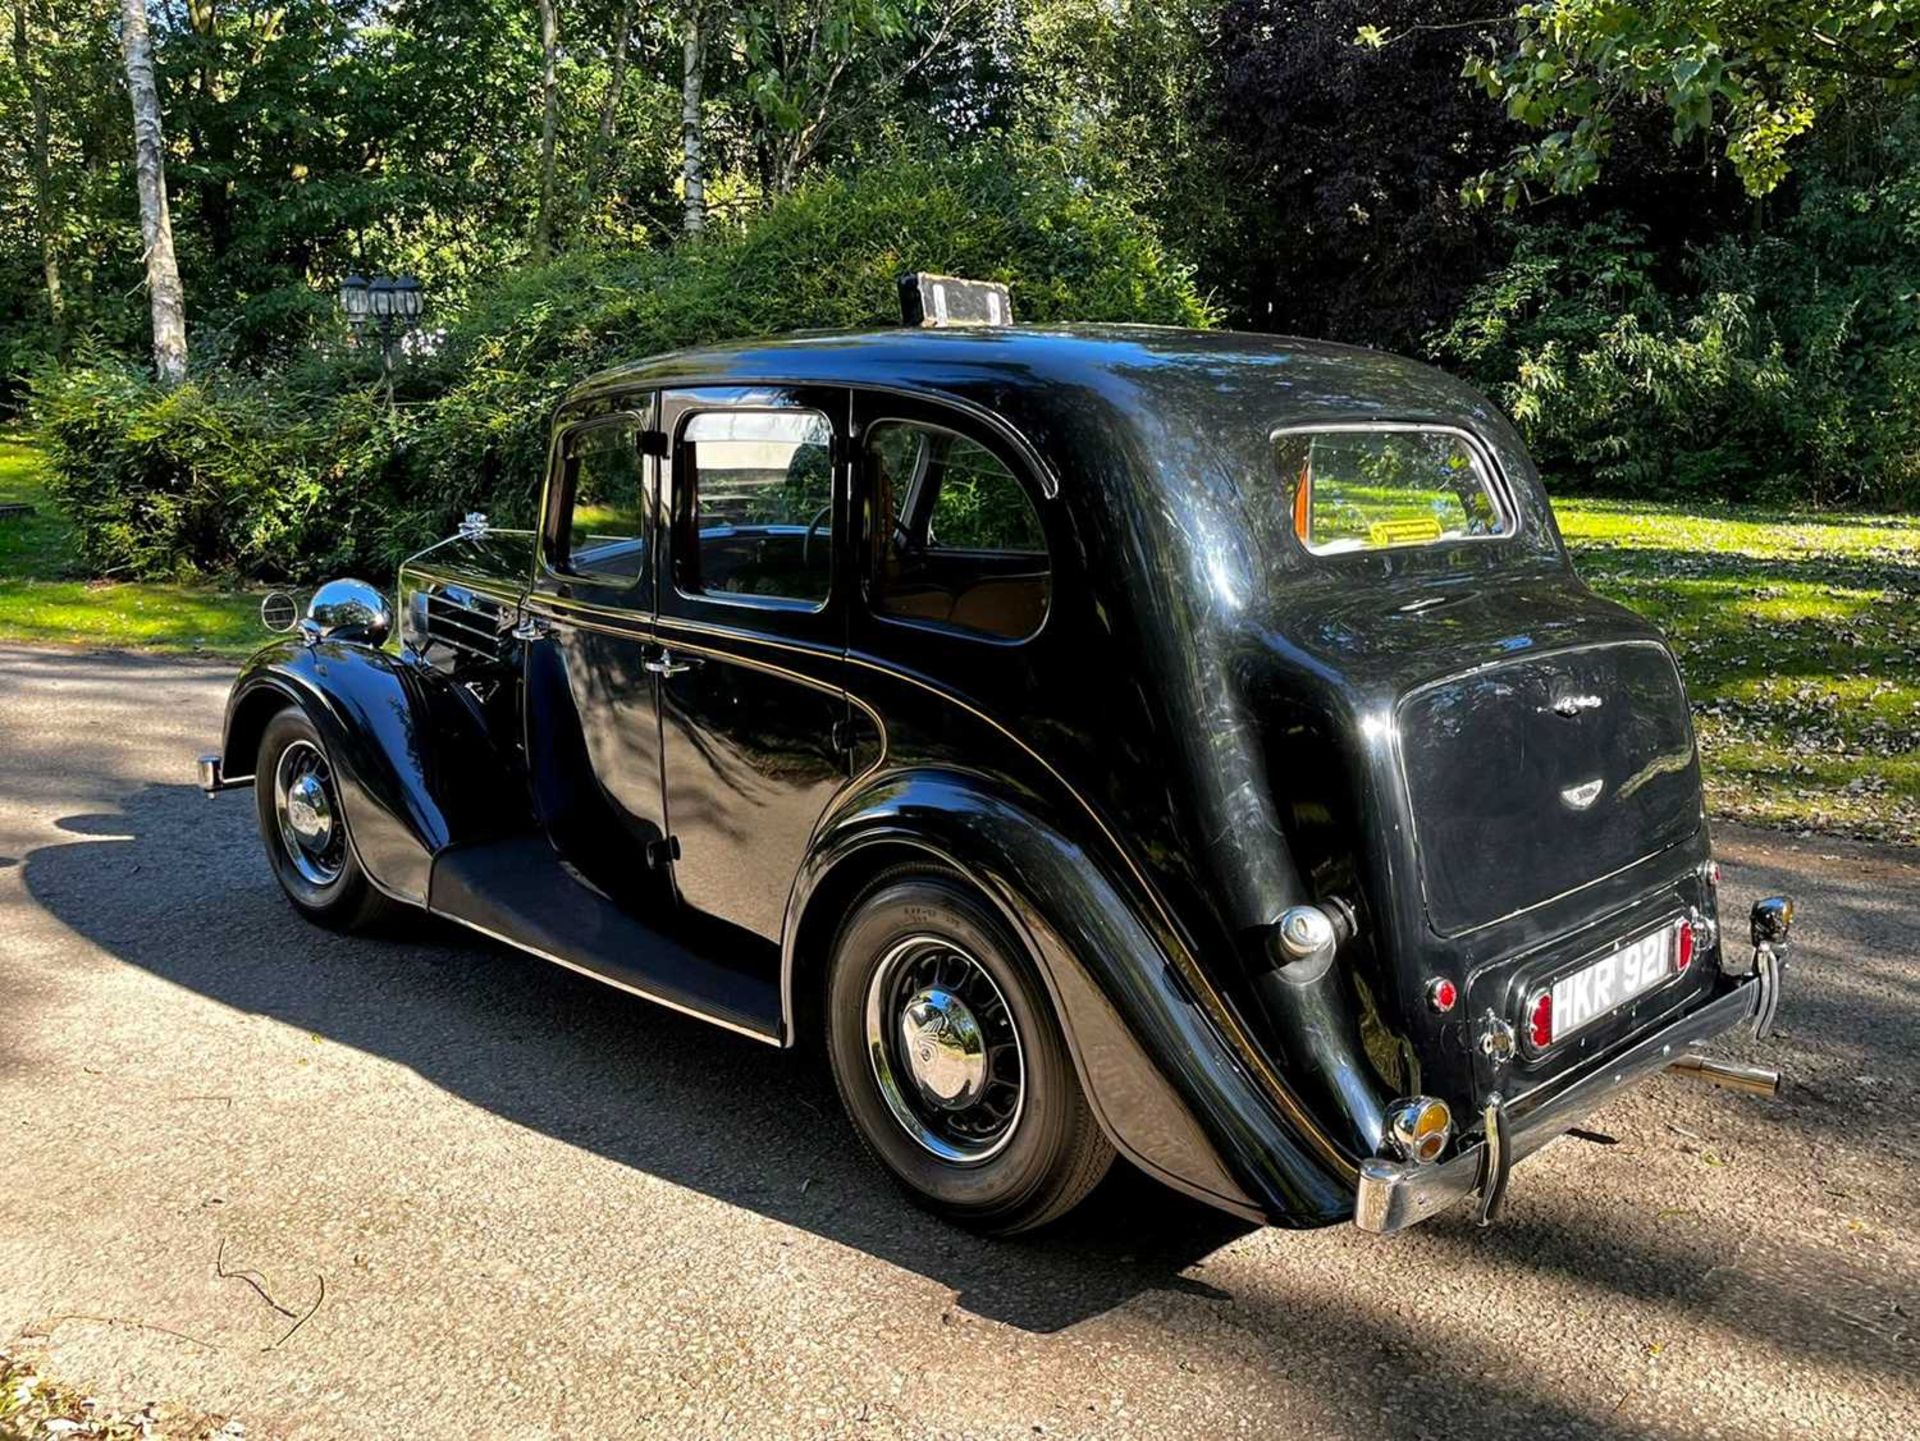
(1356, 490)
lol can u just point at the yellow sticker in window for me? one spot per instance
(1405, 531)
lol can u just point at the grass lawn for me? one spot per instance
(41, 600)
(1799, 637)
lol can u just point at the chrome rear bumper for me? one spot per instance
(1393, 1195)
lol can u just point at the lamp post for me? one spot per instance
(391, 303)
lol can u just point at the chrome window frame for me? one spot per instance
(560, 492)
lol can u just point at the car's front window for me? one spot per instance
(1371, 489)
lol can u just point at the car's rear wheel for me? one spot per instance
(297, 797)
(950, 1061)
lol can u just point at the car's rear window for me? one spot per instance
(1354, 490)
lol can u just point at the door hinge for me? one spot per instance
(654, 443)
(663, 852)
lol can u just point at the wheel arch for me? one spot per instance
(406, 753)
(1160, 1080)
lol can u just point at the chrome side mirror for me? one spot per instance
(348, 610)
(1771, 920)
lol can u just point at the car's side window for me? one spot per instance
(603, 531)
(957, 540)
(756, 494)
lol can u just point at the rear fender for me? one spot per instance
(1162, 1081)
(415, 767)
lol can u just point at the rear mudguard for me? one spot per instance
(1165, 1085)
(415, 767)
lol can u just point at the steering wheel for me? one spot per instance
(806, 541)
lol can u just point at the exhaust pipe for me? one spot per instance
(1734, 1075)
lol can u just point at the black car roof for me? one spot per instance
(1197, 371)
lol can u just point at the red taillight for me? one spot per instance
(1540, 1020)
(1442, 994)
(1683, 952)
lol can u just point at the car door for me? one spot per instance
(592, 719)
(752, 624)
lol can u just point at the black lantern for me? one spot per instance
(406, 300)
(353, 300)
(380, 298)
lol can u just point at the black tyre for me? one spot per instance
(949, 1059)
(298, 801)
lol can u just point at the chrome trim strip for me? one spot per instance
(605, 980)
(1392, 1196)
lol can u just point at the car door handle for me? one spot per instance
(531, 627)
(665, 664)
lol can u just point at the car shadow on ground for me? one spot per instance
(762, 1129)
(579, 1061)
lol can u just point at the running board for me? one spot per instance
(518, 891)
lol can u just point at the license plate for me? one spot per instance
(1593, 991)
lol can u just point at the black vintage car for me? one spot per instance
(1191, 746)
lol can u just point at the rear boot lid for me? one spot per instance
(1532, 777)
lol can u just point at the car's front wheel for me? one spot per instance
(951, 1063)
(297, 795)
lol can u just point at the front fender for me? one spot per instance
(414, 765)
(1164, 1083)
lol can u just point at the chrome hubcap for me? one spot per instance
(306, 812)
(945, 1050)
(309, 814)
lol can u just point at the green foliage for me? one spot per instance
(1761, 72)
(826, 257)
(1797, 633)
(312, 472)
(1783, 368)
(220, 476)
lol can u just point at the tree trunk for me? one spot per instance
(156, 224)
(45, 217)
(610, 105)
(692, 126)
(549, 124)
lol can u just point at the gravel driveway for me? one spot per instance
(542, 1208)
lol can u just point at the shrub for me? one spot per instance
(1783, 368)
(307, 470)
(219, 476)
